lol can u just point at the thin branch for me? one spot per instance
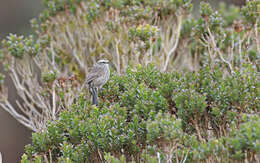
(217, 50)
(23, 120)
(186, 156)
(53, 101)
(118, 57)
(81, 64)
(168, 55)
(256, 35)
(158, 157)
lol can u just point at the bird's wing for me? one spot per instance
(95, 73)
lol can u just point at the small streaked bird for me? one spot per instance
(98, 76)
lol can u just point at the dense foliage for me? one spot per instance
(193, 116)
(183, 89)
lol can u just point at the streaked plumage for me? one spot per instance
(98, 76)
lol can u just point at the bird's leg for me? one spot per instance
(95, 96)
(93, 92)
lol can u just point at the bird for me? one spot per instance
(97, 77)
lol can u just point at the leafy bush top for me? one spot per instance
(146, 111)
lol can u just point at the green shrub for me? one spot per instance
(135, 120)
(183, 89)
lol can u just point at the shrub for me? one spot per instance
(72, 35)
(205, 112)
(136, 122)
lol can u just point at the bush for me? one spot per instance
(205, 112)
(193, 116)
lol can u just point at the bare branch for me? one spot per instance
(177, 38)
(216, 49)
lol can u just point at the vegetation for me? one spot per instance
(192, 117)
(183, 89)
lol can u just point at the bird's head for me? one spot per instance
(103, 61)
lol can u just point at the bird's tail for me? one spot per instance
(94, 94)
